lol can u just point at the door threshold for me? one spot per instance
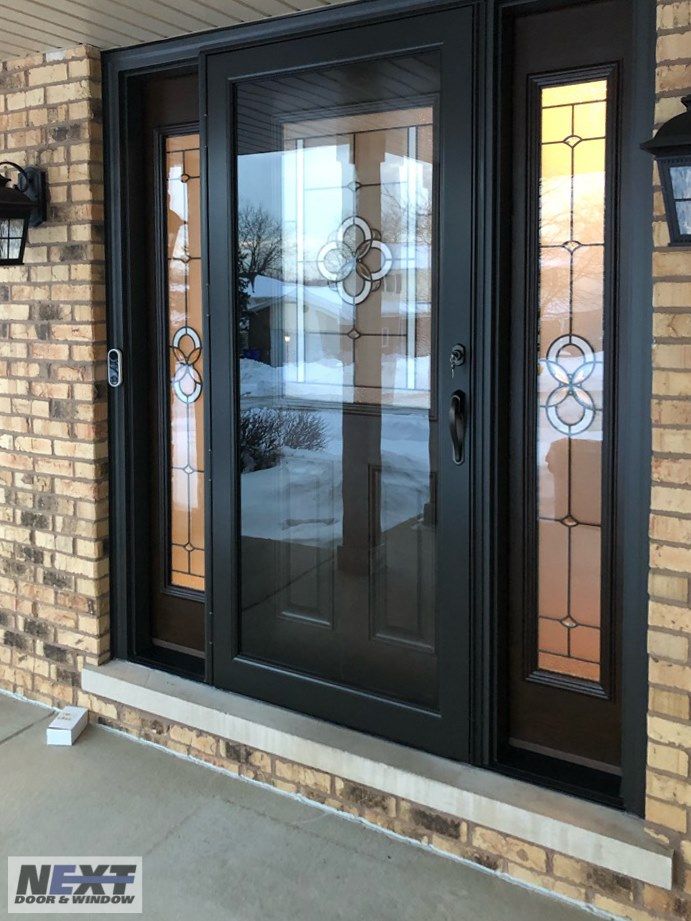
(582, 830)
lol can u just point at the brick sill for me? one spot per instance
(582, 830)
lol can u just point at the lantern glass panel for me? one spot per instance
(11, 236)
(680, 178)
(684, 217)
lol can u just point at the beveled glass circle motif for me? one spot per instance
(187, 349)
(345, 256)
(570, 407)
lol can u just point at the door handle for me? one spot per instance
(457, 425)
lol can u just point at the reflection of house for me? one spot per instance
(319, 355)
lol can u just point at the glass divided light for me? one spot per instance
(11, 236)
(680, 177)
(572, 194)
(185, 363)
(336, 217)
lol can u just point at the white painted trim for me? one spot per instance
(570, 826)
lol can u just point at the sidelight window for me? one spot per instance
(185, 364)
(571, 392)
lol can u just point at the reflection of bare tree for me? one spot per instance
(398, 214)
(260, 252)
(558, 198)
(259, 244)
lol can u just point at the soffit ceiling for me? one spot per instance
(28, 26)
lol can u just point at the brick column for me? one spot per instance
(53, 438)
(668, 785)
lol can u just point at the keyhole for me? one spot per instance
(457, 357)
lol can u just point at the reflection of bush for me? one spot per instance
(265, 432)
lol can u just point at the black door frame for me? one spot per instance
(124, 238)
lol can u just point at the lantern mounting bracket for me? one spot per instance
(32, 184)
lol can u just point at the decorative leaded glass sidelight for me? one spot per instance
(185, 363)
(570, 389)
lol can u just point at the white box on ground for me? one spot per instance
(67, 726)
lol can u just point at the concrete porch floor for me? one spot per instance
(215, 847)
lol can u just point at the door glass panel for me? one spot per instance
(336, 174)
(185, 363)
(570, 375)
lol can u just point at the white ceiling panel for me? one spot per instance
(28, 26)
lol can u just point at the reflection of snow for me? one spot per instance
(258, 379)
(312, 482)
(330, 378)
(268, 292)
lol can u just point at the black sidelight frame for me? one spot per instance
(634, 371)
(123, 69)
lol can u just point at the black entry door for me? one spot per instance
(339, 214)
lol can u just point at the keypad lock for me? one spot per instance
(114, 367)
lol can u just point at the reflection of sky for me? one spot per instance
(307, 187)
(259, 182)
(177, 271)
(184, 444)
(177, 204)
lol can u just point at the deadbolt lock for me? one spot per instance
(457, 357)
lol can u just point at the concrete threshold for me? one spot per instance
(585, 831)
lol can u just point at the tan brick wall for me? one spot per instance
(669, 726)
(53, 447)
(53, 500)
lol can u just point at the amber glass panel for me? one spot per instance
(186, 401)
(570, 375)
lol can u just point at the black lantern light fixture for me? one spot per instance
(671, 147)
(21, 206)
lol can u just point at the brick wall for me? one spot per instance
(53, 478)
(669, 729)
(53, 505)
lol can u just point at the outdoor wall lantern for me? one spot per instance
(671, 147)
(21, 206)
